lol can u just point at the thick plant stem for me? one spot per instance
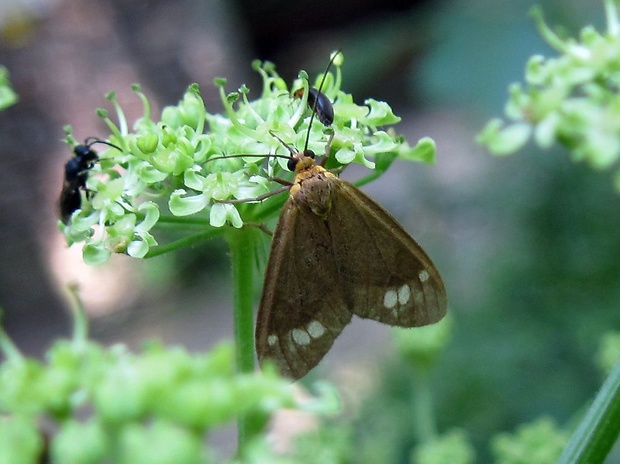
(599, 429)
(242, 252)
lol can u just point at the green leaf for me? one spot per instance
(600, 428)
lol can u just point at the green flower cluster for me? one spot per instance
(91, 404)
(111, 405)
(572, 99)
(192, 162)
(452, 447)
(541, 441)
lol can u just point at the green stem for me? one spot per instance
(368, 179)
(599, 429)
(544, 30)
(80, 319)
(424, 425)
(242, 251)
(183, 221)
(182, 243)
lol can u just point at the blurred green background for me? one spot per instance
(528, 245)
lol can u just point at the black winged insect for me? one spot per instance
(319, 103)
(76, 175)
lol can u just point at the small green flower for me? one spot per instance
(159, 443)
(21, 388)
(80, 442)
(20, 441)
(222, 213)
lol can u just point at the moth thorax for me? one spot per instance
(314, 189)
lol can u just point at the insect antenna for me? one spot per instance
(245, 155)
(95, 140)
(316, 100)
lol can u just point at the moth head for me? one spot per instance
(301, 161)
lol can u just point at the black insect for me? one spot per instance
(320, 104)
(76, 175)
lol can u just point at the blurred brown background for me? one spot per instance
(527, 244)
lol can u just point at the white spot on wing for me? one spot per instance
(315, 329)
(272, 339)
(390, 299)
(423, 275)
(404, 294)
(300, 336)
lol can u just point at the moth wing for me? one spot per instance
(384, 274)
(301, 311)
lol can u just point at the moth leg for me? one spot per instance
(281, 181)
(259, 226)
(256, 199)
(328, 148)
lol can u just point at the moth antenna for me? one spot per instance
(331, 61)
(241, 155)
(262, 197)
(291, 150)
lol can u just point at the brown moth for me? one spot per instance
(337, 253)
